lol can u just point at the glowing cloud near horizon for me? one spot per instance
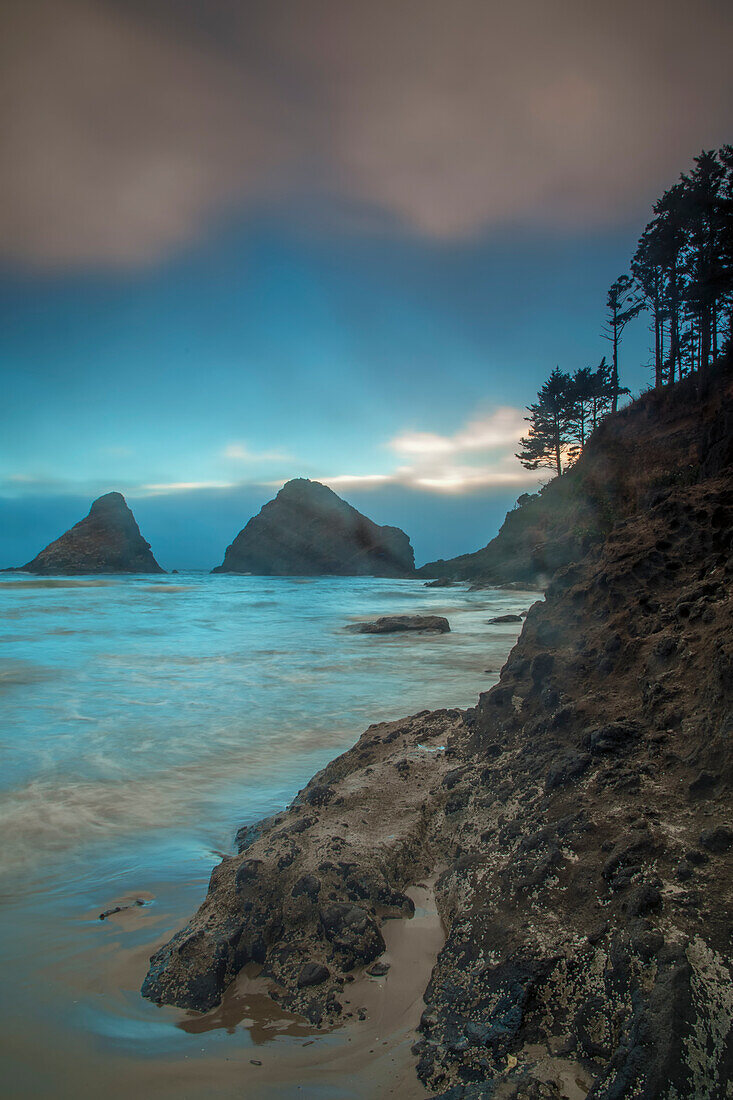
(490, 440)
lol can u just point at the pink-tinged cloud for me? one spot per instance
(480, 455)
(127, 128)
(501, 428)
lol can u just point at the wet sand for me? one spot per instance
(358, 1060)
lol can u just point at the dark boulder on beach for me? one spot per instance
(307, 530)
(398, 624)
(108, 540)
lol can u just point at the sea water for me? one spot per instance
(142, 722)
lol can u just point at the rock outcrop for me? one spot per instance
(400, 624)
(310, 887)
(307, 530)
(580, 816)
(108, 540)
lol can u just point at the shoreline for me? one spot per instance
(583, 817)
(176, 861)
(292, 1056)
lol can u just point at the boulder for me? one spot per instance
(718, 839)
(397, 624)
(313, 974)
(352, 932)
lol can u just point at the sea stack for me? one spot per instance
(307, 530)
(108, 540)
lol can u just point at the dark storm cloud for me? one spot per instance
(120, 136)
(127, 127)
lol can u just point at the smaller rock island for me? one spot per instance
(108, 540)
(307, 530)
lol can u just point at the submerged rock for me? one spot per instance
(108, 540)
(307, 530)
(397, 624)
(506, 619)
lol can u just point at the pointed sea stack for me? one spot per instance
(307, 530)
(108, 540)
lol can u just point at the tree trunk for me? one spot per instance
(614, 406)
(675, 359)
(714, 311)
(674, 344)
(705, 341)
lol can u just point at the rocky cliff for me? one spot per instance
(579, 817)
(108, 540)
(626, 459)
(307, 530)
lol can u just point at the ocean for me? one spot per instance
(143, 721)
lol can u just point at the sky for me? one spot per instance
(243, 242)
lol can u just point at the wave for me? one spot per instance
(167, 588)
(56, 582)
(13, 673)
(46, 815)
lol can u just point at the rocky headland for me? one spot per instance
(639, 448)
(108, 540)
(578, 818)
(307, 530)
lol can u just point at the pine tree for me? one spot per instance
(683, 267)
(549, 438)
(726, 244)
(671, 224)
(703, 255)
(602, 393)
(591, 397)
(581, 390)
(623, 304)
(648, 273)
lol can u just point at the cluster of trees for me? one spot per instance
(682, 274)
(683, 268)
(567, 409)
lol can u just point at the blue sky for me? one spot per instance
(244, 247)
(262, 356)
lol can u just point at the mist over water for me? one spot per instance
(141, 724)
